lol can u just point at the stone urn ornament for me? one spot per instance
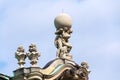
(33, 55)
(20, 56)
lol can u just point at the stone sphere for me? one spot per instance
(63, 20)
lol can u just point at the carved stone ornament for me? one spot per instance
(33, 55)
(60, 68)
(20, 56)
(63, 32)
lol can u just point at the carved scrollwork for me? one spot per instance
(78, 72)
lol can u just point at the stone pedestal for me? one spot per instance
(31, 73)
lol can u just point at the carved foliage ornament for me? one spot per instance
(20, 56)
(32, 55)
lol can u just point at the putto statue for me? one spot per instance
(33, 55)
(20, 56)
(63, 24)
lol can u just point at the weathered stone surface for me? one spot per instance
(20, 56)
(63, 20)
(63, 32)
(33, 55)
(58, 69)
(61, 68)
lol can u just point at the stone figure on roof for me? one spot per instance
(63, 25)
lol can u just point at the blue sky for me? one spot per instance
(95, 38)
